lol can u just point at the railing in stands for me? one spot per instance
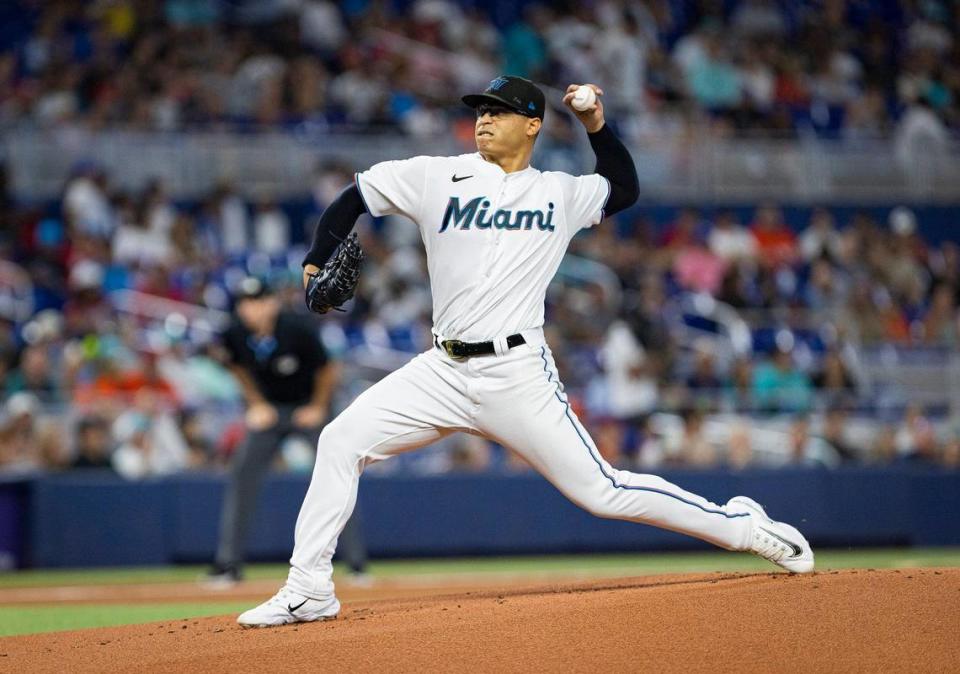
(698, 168)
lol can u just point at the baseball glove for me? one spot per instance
(336, 281)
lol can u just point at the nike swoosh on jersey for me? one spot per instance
(457, 179)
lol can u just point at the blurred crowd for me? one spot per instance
(843, 68)
(111, 304)
(708, 337)
(816, 305)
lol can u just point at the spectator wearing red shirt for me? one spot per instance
(682, 232)
(790, 87)
(776, 244)
(122, 385)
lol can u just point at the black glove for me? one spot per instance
(336, 281)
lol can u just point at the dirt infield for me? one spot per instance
(859, 620)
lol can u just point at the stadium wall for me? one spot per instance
(98, 520)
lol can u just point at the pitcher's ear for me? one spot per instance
(533, 126)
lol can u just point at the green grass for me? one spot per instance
(636, 564)
(32, 619)
(27, 619)
(652, 563)
(124, 575)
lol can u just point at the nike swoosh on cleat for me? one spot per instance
(797, 550)
(294, 608)
(457, 179)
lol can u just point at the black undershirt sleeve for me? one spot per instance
(616, 165)
(334, 225)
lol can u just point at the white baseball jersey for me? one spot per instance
(493, 239)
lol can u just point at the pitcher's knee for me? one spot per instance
(339, 441)
(598, 502)
(610, 501)
(604, 509)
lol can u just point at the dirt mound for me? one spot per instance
(836, 621)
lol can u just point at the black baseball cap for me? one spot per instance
(519, 94)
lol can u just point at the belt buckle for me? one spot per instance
(448, 346)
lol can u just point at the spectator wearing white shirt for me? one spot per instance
(631, 389)
(149, 445)
(271, 228)
(622, 55)
(321, 26)
(86, 205)
(360, 91)
(134, 244)
(820, 238)
(757, 78)
(731, 241)
(758, 18)
(919, 141)
(232, 220)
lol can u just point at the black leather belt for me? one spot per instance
(459, 350)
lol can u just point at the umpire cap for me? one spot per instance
(251, 288)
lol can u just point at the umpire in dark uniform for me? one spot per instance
(287, 382)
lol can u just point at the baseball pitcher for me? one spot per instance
(495, 230)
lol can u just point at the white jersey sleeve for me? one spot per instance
(394, 187)
(584, 198)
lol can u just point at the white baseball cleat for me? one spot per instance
(286, 607)
(775, 541)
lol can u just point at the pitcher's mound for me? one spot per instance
(858, 620)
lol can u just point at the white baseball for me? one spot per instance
(584, 98)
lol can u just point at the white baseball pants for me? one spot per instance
(515, 399)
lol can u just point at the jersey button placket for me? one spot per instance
(496, 232)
